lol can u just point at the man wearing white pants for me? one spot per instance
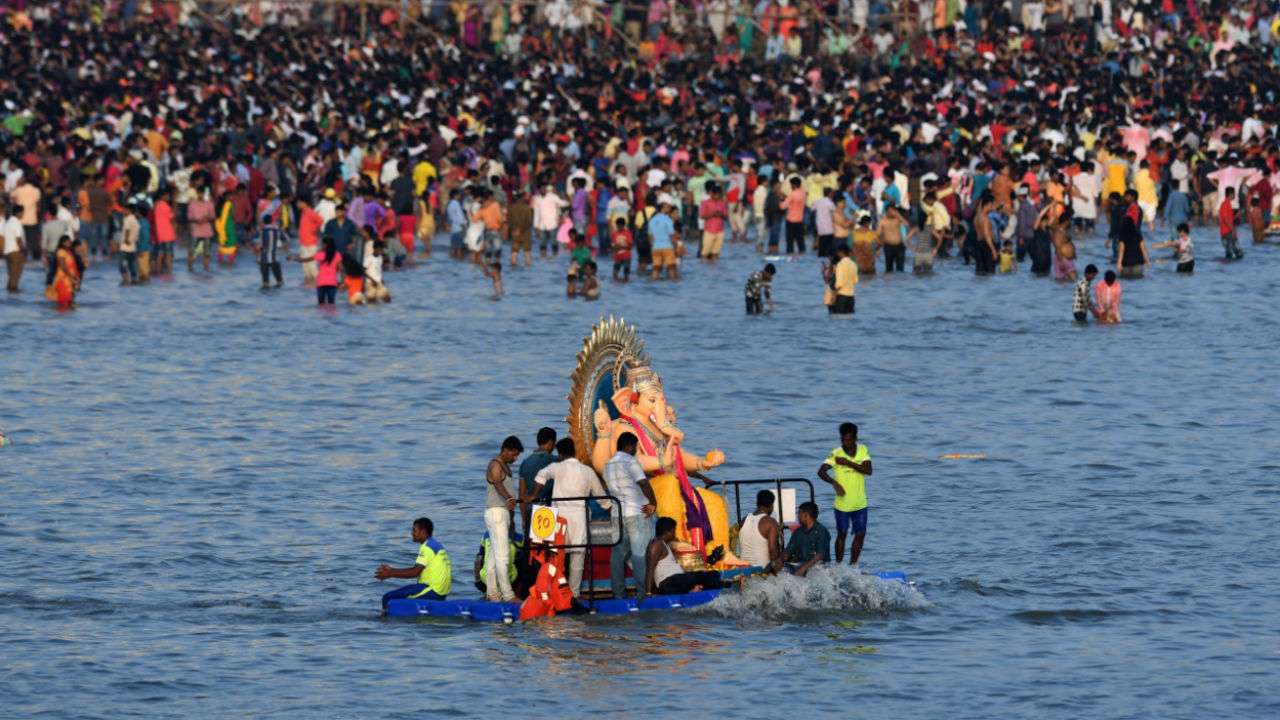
(499, 503)
(573, 479)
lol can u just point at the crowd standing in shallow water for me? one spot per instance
(989, 131)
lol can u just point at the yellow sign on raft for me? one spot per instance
(542, 524)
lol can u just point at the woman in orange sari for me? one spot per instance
(66, 279)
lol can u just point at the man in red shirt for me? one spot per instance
(1227, 225)
(165, 232)
(713, 212)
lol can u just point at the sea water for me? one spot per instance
(202, 478)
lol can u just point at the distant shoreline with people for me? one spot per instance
(861, 137)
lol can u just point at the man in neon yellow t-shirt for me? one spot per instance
(851, 463)
(432, 570)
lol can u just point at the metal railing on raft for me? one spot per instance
(589, 560)
(777, 494)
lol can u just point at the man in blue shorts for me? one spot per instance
(851, 463)
(432, 572)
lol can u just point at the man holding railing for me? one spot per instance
(572, 480)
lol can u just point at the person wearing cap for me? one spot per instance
(327, 208)
(662, 231)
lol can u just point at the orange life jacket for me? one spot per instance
(551, 592)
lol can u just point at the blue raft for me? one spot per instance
(486, 611)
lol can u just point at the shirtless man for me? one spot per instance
(1002, 187)
(891, 237)
(984, 250)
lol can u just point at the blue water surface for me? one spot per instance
(202, 478)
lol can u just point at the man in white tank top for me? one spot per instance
(760, 537)
(664, 574)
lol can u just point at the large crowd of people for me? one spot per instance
(347, 137)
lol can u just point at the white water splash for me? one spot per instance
(826, 589)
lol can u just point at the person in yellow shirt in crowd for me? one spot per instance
(432, 570)
(423, 173)
(1117, 177)
(817, 182)
(937, 223)
(851, 463)
(846, 278)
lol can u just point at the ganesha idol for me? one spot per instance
(617, 391)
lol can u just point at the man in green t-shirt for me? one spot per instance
(851, 463)
(431, 570)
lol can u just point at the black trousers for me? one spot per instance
(1041, 253)
(754, 305)
(894, 257)
(795, 238)
(684, 582)
(32, 235)
(843, 305)
(826, 246)
(644, 250)
(271, 268)
(983, 262)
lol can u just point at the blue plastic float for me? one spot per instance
(486, 611)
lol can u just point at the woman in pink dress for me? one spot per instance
(1108, 294)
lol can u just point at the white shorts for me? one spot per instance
(1148, 210)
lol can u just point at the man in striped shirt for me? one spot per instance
(272, 243)
(1082, 302)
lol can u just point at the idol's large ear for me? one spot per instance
(622, 400)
